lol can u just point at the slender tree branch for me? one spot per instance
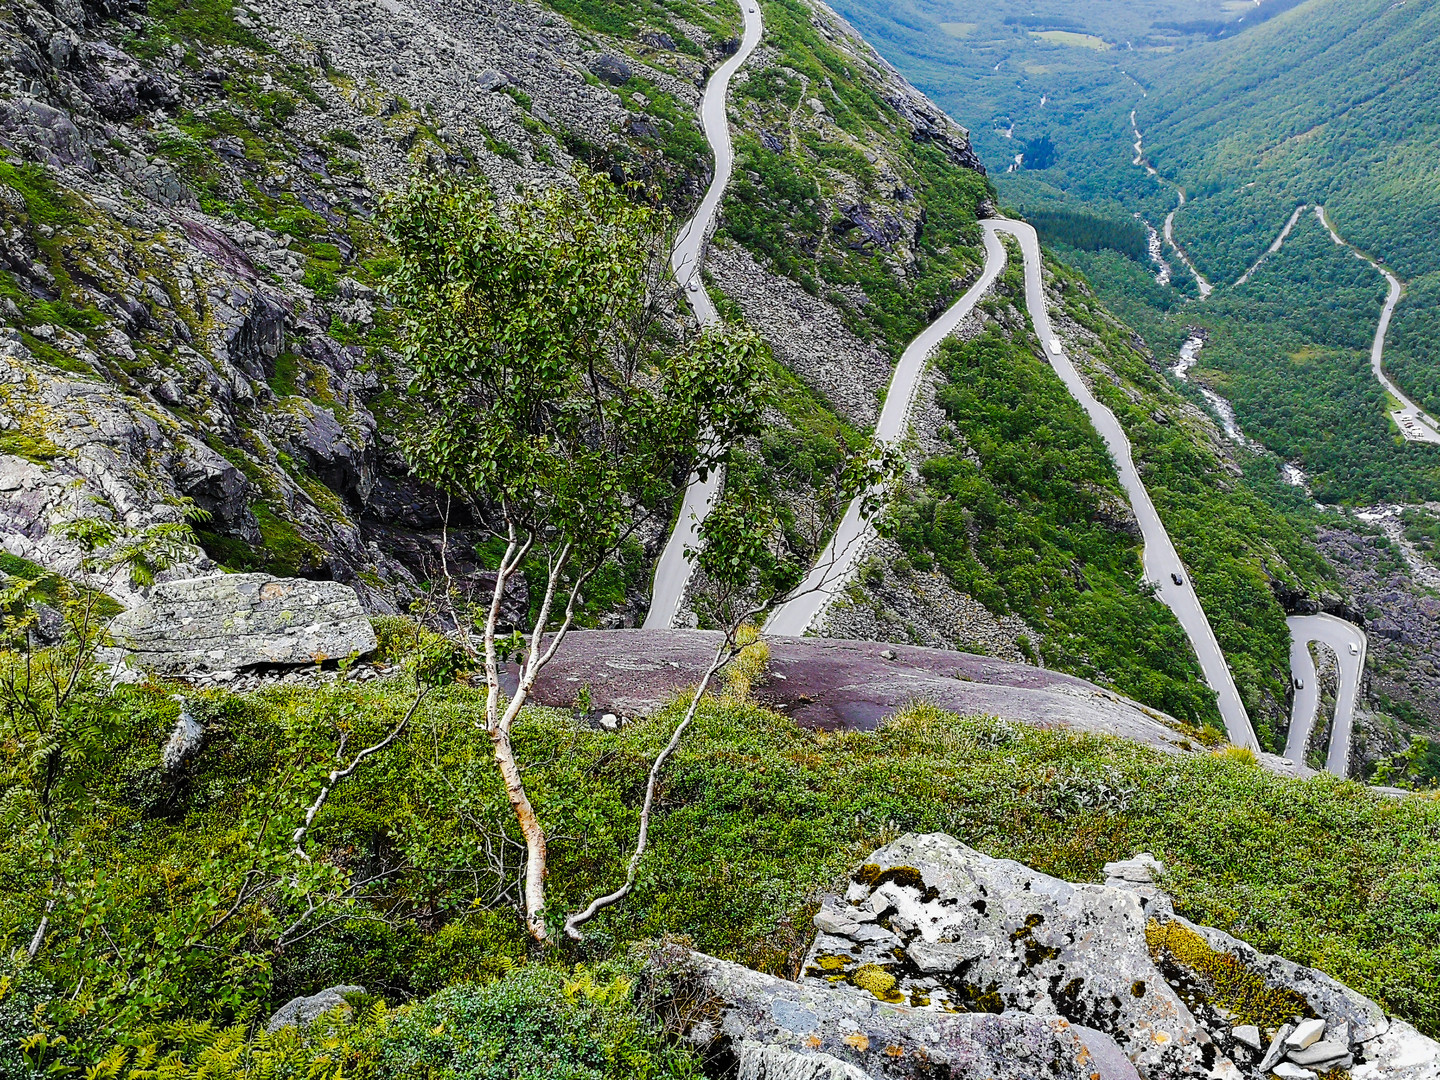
(336, 775)
(724, 652)
(39, 938)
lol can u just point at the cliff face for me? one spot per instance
(189, 253)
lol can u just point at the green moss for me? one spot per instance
(874, 876)
(209, 21)
(1232, 986)
(46, 203)
(282, 551)
(287, 369)
(31, 447)
(53, 589)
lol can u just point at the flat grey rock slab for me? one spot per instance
(837, 684)
(234, 621)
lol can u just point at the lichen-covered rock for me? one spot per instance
(243, 620)
(778, 1030)
(931, 924)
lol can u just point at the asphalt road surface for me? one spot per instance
(1340, 636)
(837, 562)
(1414, 423)
(672, 570)
(1160, 558)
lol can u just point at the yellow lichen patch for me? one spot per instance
(879, 982)
(831, 963)
(1233, 986)
(857, 1042)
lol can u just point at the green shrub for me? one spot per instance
(535, 1024)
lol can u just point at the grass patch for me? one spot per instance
(33, 448)
(1072, 39)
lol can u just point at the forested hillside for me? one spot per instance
(1332, 103)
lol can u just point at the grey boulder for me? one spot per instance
(303, 1011)
(236, 621)
(772, 1029)
(929, 924)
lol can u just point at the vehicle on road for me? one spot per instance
(1299, 683)
(1354, 649)
(1177, 579)
(1055, 345)
(694, 285)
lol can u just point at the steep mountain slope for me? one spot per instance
(204, 325)
(191, 251)
(1330, 103)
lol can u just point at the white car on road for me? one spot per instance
(1055, 345)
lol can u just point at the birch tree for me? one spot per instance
(553, 402)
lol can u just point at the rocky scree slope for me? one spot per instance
(190, 252)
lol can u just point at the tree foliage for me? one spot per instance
(555, 404)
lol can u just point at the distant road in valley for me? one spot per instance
(672, 571)
(1414, 423)
(1275, 246)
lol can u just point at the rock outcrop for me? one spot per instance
(778, 1030)
(303, 1011)
(929, 925)
(189, 250)
(236, 621)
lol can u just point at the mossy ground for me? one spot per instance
(1231, 985)
(756, 818)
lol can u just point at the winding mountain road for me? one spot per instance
(672, 571)
(1414, 423)
(837, 562)
(1275, 246)
(1349, 643)
(1160, 558)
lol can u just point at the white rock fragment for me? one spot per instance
(1143, 869)
(1306, 1033)
(1320, 1053)
(1249, 1035)
(1277, 1048)
(1286, 1071)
